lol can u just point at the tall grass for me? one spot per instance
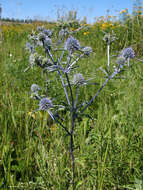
(108, 148)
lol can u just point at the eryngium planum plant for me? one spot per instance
(62, 54)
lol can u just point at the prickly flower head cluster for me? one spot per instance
(128, 53)
(78, 79)
(62, 33)
(33, 38)
(109, 38)
(45, 104)
(47, 32)
(34, 91)
(33, 59)
(87, 50)
(30, 47)
(47, 43)
(41, 36)
(44, 33)
(72, 44)
(35, 88)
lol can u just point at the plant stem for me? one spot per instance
(108, 57)
(61, 57)
(73, 63)
(58, 122)
(128, 61)
(72, 152)
(69, 85)
(64, 86)
(95, 95)
(77, 94)
(47, 84)
(72, 134)
(106, 81)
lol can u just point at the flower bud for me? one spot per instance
(72, 44)
(45, 104)
(128, 53)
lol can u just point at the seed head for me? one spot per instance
(87, 50)
(34, 88)
(128, 53)
(41, 36)
(47, 43)
(32, 59)
(72, 44)
(47, 32)
(30, 47)
(62, 33)
(109, 38)
(45, 104)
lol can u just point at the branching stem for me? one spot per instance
(108, 58)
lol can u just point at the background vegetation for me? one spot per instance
(108, 149)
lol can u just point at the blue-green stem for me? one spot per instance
(62, 80)
(106, 81)
(72, 134)
(108, 58)
(77, 95)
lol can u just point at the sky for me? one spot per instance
(47, 9)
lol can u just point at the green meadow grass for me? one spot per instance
(108, 149)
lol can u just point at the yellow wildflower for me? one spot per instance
(53, 127)
(85, 33)
(123, 11)
(31, 115)
(36, 114)
(106, 25)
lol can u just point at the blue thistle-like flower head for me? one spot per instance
(32, 59)
(109, 38)
(34, 91)
(45, 104)
(30, 47)
(35, 88)
(128, 53)
(47, 32)
(72, 44)
(87, 50)
(41, 36)
(62, 33)
(47, 43)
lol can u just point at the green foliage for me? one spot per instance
(108, 148)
